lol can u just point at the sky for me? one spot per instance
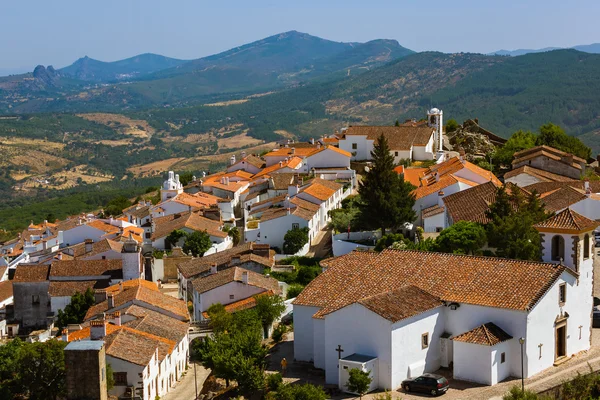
(59, 32)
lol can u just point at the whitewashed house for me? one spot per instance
(188, 222)
(415, 312)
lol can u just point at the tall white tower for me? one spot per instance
(133, 266)
(435, 119)
(171, 187)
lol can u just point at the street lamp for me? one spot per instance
(521, 341)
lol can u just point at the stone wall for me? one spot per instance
(86, 374)
(31, 304)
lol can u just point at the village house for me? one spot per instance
(188, 222)
(416, 142)
(411, 312)
(234, 288)
(548, 159)
(315, 156)
(250, 163)
(250, 256)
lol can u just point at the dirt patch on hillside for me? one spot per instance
(66, 179)
(241, 140)
(155, 168)
(121, 123)
(227, 103)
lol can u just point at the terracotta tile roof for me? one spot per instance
(98, 247)
(321, 189)
(103, 226)
(292, 163)
(244, 175)
(431, 211)
(486, 335)
(399, 137)
(31, 273)
(133, 283)
(281, 181)
(71, 268)
(235, 274)
(542, 175)
(266, 262)
(136, 346)
(197, 266)
(137, 211)
(157, 324)
(401, 303)
(304, 204)
(435, 187)
(412, 175)
(471, 204)
(141, 295)
(337, 150)
(549, 152)
(279, 212)
(300, 151)
(84, 333)
(567, 221)
(197, 200)
(332, 141)
(484, 281)
(255, 161)
(69, 288)
(544, 187)
(272, 201)
(562, 198)
(232, 187)
(163, 226)
(243, 304)
(6, 290)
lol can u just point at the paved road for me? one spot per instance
(322, 246)
(185, 388)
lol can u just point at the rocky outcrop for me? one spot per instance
(46, 76)
(473, 139)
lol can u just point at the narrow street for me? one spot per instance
(322, 245)
(186, 388)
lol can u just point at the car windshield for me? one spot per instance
(443, 381)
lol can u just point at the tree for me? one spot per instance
(359, 381)
(197, 243)
(269, 308)
(517, 394)
(451, 125)
(294, 290)
(294, 240)
(234, 234)
(300, 392)
(42, 370)
(51, 217)
(110, 377)
(397, 123)
(185, 177)
(219, 319)
(510, 229)
(386, 199)
(462, 238)
(75, 311)
(387, 240)
(117, 205)
(519, 140)
(554, 136)
(342, 218)
(174, 237)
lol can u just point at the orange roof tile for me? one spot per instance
(567, 221)
(243, 304)
(486, 335)
(103, 226)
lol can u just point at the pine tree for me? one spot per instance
(386, 200)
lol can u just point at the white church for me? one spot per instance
(399, 313)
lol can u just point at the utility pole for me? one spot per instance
(195, 381)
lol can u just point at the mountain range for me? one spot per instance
(586, 48)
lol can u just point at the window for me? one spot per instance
(558, 248)
(586, 246)
(396, 153)
(354, 146)
(425, 340)
(148, 235)
(562, 293)
(502, 358)
(295, 226)
(231, 297)
(104, 257)
(35, 299)
(120, 378)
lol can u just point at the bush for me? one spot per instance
(278, 333)
(387, 240)
(294, 290)
(294, 240)
(273, 381)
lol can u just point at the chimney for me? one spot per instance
(288, 211)
(245, 277)
(111, 300)
(588, 189)
(286, 202)
(213, 269)
(318, 146)
(312, 140)
(461, 154)
(440, 198)
(280, 164)
(244, 154)
(117, 318)
(100, 296)
(65, 335)
(293, 151)
(232, 159)
(437, 177)
(89, 244)
(97, 329)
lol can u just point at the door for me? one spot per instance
(561, 341)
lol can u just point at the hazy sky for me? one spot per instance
(58, 32)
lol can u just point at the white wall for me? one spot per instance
(473, 363)
(588, 207)
(410, 359)
(132, 370)
(221, 295)
(80, 233)
(434, 222)
(327, 159)
(522, 180)
(500, 370)
(274, 230)
(363, 150)
(303, 332)
(357, 330)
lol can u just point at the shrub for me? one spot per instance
(273, 381)
(294, 290)
(278, 333)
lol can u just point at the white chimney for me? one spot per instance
(588, 190)
(65, 335)
(117, 318)
(245, 277)
(89, 245)
(232, 159)
(286, 203)
(97, 329)
(281, 163)
(312, 140)
(293, 151)
(440, 201)
(437, 177)
(213, 269)
(244, 154)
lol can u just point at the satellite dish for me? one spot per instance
(367, 169)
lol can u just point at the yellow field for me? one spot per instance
(238, 141)
(65, 179)
(155, 168)
(125, 125)
(226, 103)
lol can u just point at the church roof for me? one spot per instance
(567, 221)
(483, 281)
(486, 335)
(401, 303)
(398, 137)
(540, 174)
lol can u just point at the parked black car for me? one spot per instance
(596, 318)
(426, 383)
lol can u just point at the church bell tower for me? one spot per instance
(435, 119)
(171, 187)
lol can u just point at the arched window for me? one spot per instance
(586, 246)
(558, 248)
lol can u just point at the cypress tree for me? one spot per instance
(386, 201)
